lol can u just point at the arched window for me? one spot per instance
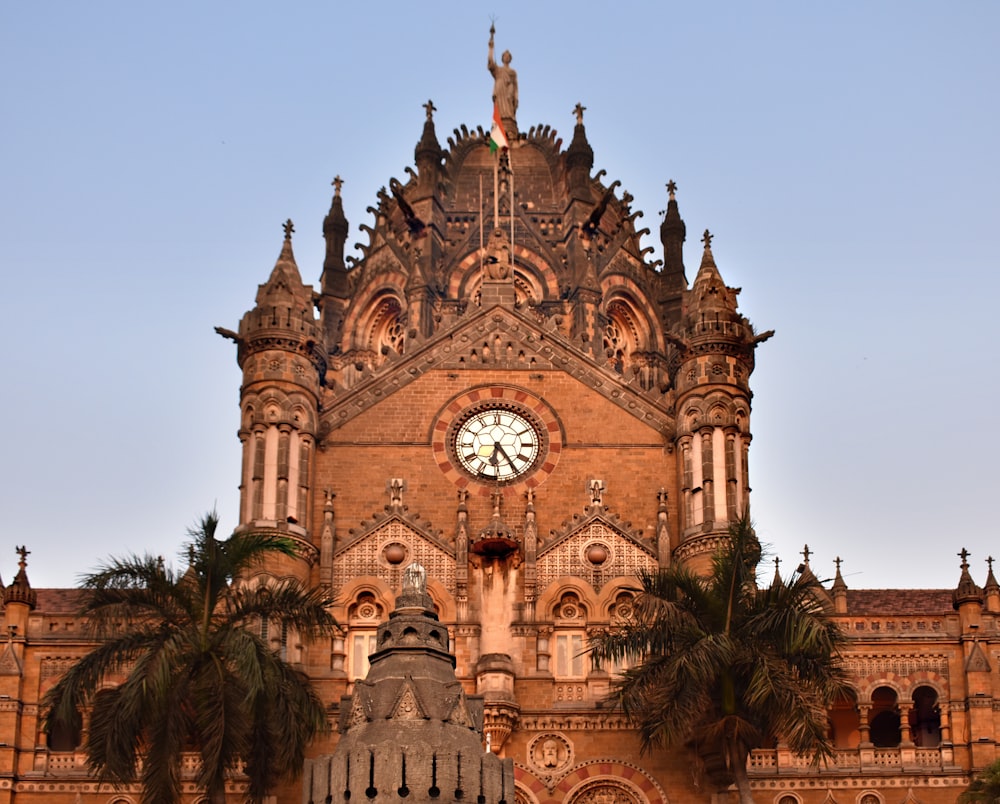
(387, 333)
(363, 618)
(845, 722)
(62, 737)
(884, 724)
(570, 639)
(925, 718)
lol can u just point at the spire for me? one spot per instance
(838, 581)
(673, 232)
(992, 589)
(334, 279)
(709, 293)
(20, 590)
(284, 287)
(428, 156)
(966, 591)
(579, 159)
(991, 581)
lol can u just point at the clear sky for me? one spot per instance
(843, 154)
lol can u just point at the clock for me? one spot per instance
(497, 443)
(491, 435)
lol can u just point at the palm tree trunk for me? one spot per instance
(738, 766)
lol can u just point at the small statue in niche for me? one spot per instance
(498, 257)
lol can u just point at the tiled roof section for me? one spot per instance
(59, 601)
(892, 602)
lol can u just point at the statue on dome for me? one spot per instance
(504, 87)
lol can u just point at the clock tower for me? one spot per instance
(506, 389)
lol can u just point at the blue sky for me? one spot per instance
(844, 156)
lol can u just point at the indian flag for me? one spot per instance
(498, 139)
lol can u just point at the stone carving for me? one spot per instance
(606, 791)
(550, 752)
(498, 255)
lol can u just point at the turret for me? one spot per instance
(409, 730)
(280, 351)
(710, 368)
(579, 160)
(428, 157)
(333, 283)
(673, 232)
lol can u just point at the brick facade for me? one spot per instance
(636, 385)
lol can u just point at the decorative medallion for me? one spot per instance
(550, 752)
(496, 435)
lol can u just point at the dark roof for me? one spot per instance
(59, 601)
(894, 602)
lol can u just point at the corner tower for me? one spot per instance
(280, 352)
(713, 357)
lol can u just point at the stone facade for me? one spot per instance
(507, 389)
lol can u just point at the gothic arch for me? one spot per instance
(621, 290)
(552, 598)
(364, 313)
(611, 597)
(352, 591)
(583, 784)
(534, 279)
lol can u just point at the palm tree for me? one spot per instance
(985, 788)
(724, 665)
(198, 675)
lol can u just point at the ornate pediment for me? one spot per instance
(382, 548)
(598, 547)
(502, 339)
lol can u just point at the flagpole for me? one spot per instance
(481, 243)
(510, 171)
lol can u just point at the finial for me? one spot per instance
(672, 190)
(964, 555)
(289, 227)
(430, 108)
(837, 562)
(989, 562)
(337, 184)
(23, 552)
(707, 239)
(777, 562)
(578, 110)
(806, 553)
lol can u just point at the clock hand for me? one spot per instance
(494, 461)
(503, 452)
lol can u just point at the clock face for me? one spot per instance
(497, 444)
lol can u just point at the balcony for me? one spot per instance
(868, 760)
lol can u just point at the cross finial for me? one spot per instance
(806, 553)
(337, 184)
(23, 552)
(289, 227)
(777, 562)
(964, 555)
(838, 562)
(578, 110)
(707, 239)
(430, 108)
(989, 562)
(672, 190)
